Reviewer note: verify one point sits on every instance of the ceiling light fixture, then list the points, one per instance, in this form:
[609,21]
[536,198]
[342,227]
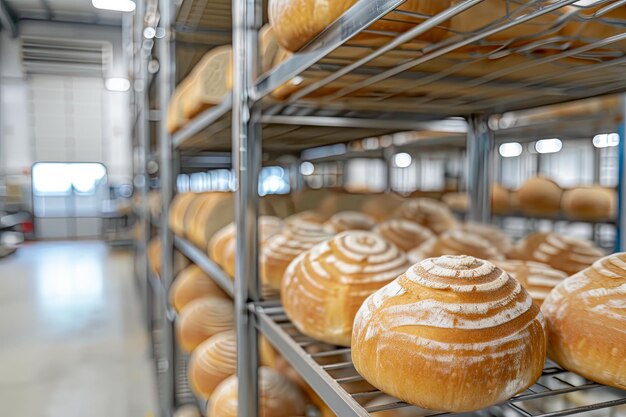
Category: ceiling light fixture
[605,140]
[510,150]
[117,84]
[549,145]
[115,5]
[402,160]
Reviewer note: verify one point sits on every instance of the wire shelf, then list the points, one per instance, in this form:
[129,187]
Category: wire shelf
[484,70]
[331,374]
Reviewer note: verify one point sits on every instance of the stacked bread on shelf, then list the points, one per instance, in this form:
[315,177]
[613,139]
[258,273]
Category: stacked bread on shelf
[418,295]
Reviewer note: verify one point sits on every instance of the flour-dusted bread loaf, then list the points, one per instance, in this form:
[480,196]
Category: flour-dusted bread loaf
[178,209]
[324,287]
[453,333]
[213,361]
[201,319]
[211,79]
[278,397]
[456,242]
[307,215]
[349,220]
[586,316]
[540,196]
[565,253]
[590,203]
[537,278]
[491,233]
[296,23]
[193,283]
[428,212]
[405,234]
[279,250]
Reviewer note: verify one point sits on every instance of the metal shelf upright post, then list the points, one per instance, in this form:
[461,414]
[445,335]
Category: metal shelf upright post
[246,152]
[479,145]
[165,82]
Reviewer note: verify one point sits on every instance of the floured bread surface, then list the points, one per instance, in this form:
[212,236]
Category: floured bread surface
[456,242]
[193,283]
[213,361]
[430,213]
[349,220]
[429,336]
[537,278]
[278,397]
[405,234]
[323,288]
[565,253]
[201,319]
[586,316]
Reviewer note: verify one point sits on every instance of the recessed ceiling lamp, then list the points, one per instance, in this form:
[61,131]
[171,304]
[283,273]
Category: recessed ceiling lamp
[115,5]
[117,84]
[510,150]
[548,145]
[605,140]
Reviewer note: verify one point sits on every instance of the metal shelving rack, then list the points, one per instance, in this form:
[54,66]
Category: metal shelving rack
[250,121]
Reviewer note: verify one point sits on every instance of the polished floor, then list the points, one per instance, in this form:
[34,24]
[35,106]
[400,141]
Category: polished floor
[72,337]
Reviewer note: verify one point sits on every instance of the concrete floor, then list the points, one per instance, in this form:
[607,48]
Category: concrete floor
[72,338]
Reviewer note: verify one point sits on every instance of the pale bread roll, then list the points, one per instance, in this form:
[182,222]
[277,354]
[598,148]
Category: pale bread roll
[536,278]
[565,253]
[491,233]
[175,116]
[201,319]
[307,215]
[500,200]
[586,316]
[456,242]
[278,251]
[178,208]
[193,283]
[349,220]
[405,234]
[323,287]
[278,397]
[223,245]
[211,79]
[428,212]
[443,323]
[590,203]
[381,206]
[540,196]
[456,201]
[296,23]
[213,361]
[215,213]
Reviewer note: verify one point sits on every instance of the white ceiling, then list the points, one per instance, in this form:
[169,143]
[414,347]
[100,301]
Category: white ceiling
[64,10]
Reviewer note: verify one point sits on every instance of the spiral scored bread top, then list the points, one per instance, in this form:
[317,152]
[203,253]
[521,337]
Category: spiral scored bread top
[193,283]
[456,242]
[307,215]
[565,253]
[428,212]
[586,317]
[282,248]
[203,318]
[445,322]
[278,396]
[405,234]
[324,287]
[493,234]
[212,361]
[349,220]
[537,278]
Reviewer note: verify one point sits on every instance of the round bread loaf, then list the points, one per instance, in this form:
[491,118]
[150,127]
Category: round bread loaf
[590,203]
[178,209]
[429,213]
[349,220]
[500,200]
[380,206]
[278,397]
[213,361]
[295,23]
[153,253]
[565,253]
[405,234]
[201,319]
[279,250]
[540,196]
[430,335]
[537,278]
[456,201]
[491,233]
[307,216]
[188,410]
[324,287]
[456,242]
[586,316]
[216,212]
[193,283]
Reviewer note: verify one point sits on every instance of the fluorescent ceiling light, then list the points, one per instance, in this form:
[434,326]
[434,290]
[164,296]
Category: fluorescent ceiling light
[605,140]
[117,84]
[402,160]
[115,5]
[149,32]
[548,145]
[510,150]
[307,168]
